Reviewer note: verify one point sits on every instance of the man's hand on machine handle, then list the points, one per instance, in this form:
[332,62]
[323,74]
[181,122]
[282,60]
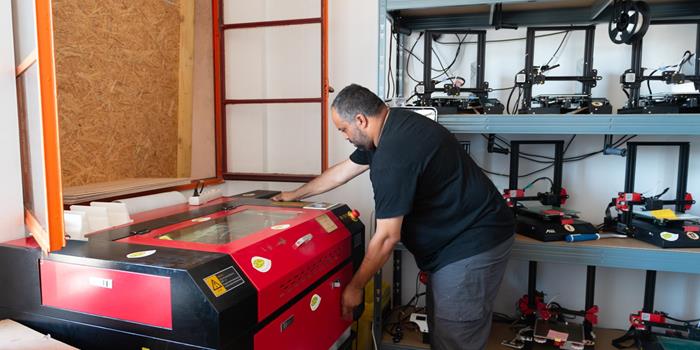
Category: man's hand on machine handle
[285,197]
[351,299]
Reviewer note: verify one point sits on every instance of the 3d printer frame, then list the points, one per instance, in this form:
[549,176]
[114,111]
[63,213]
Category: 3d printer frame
[556,178]
[531,76]
[481,88]
[625,224]
[558,196]
[633,78]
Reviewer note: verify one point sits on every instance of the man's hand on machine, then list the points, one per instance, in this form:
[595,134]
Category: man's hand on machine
[285,197]
[352,297]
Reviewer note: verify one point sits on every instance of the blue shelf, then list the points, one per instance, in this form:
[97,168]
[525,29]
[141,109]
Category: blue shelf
[421,4]
[612,252]
[617,124]
[626,253]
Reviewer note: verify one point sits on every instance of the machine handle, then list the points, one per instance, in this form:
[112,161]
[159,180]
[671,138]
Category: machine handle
[303,240]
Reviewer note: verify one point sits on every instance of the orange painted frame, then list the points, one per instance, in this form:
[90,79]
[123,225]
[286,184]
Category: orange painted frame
[219,130]
[49,121]
[325,88]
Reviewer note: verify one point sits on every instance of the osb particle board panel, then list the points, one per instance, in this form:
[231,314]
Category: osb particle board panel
[203,132]
[117,81]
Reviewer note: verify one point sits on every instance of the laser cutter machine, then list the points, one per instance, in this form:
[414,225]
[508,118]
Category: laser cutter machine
[243,273]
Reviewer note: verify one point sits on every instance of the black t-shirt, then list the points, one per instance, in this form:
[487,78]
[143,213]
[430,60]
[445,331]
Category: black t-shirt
[451,209]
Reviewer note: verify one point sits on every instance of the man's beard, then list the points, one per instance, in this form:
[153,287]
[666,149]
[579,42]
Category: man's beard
[362,142]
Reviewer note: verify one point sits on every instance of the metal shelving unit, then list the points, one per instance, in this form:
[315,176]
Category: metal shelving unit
[451,14]
[615,253]
[626,253]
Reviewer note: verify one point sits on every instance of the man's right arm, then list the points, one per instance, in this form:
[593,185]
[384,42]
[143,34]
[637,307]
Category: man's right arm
[328,180]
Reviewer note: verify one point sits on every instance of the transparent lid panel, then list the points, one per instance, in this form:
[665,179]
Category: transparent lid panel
[229,228]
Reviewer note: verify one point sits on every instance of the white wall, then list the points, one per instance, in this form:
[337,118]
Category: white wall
[11,207]
[352,59]
[273,62]
[592,183]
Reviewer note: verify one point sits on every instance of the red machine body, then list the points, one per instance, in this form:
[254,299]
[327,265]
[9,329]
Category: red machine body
[318,317]
[297,262]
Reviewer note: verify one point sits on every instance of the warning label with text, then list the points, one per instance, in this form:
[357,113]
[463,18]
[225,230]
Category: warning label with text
[223,281]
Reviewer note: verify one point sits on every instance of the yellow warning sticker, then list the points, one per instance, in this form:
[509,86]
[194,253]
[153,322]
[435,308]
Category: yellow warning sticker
[223,281]
[326,222]
[215,285]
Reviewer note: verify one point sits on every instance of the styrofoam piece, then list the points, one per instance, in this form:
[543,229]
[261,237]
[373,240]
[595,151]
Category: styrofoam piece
[97,217]
[75,224]
[155,201]
[117,212]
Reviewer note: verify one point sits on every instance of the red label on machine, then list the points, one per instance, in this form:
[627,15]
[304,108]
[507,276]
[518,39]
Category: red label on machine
[132,297]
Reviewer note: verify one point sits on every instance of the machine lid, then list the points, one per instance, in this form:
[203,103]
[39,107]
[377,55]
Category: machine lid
[226,229]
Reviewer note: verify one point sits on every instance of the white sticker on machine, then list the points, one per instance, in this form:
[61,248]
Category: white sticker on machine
[261,264]
[315,302]
[141,254]
[100,282]
[669,236]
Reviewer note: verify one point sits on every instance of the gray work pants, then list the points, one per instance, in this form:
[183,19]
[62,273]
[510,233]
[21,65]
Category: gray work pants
[460,299]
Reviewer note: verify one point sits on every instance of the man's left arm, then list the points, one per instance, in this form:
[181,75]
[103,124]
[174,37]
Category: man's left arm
[379,249]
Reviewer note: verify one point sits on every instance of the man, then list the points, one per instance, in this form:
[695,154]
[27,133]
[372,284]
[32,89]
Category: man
[429,194]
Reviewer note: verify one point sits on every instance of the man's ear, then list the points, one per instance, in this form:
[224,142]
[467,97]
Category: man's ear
[361,120]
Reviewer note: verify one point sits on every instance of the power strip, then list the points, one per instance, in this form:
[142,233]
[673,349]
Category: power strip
[205,196]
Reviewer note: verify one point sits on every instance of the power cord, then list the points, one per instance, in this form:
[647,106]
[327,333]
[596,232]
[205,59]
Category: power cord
[550,160]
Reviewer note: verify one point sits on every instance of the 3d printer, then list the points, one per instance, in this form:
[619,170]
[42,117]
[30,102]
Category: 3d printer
[549,222]
[644,218]
[678,334]
[675,103]
[531,75]
[242,273]
[476,101]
